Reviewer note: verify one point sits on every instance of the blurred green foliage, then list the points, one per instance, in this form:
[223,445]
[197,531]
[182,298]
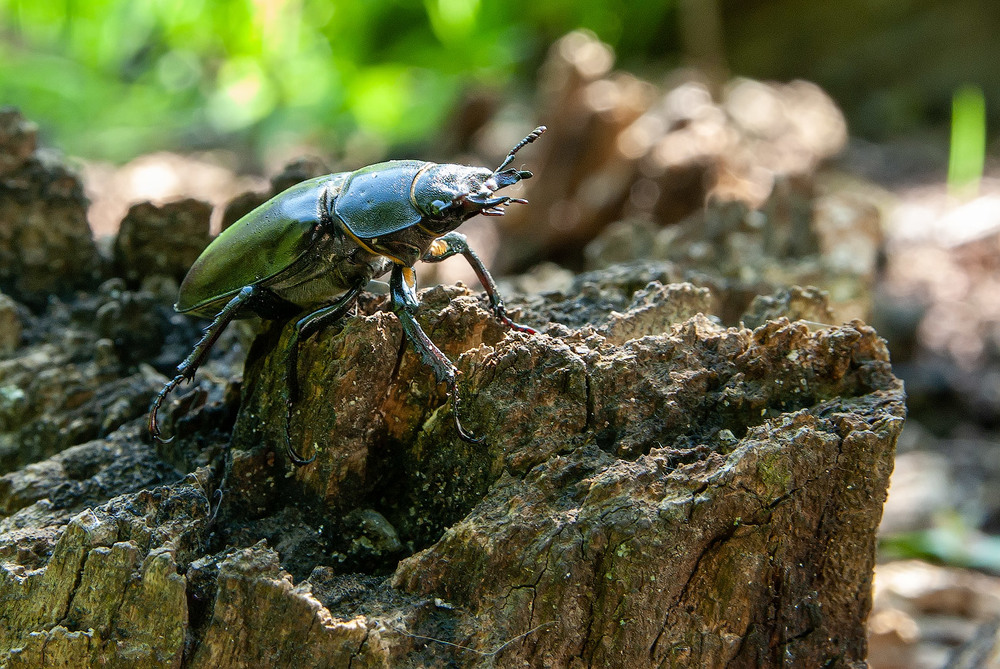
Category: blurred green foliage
[968,142]
[951,541]
[113,78]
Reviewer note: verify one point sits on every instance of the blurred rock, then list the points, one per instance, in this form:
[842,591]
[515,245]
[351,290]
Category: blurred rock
[787,129]
[46,246]
[724,189]
[831,242]
[619,148]
[164,240]
[542,278]
[18,140]
[215,177]
[297,171]
[621,242]
[473,111]
[10,326]
[940,310]
[946,485]
[923,614]
[587,179]
[241,205]
[922,489]
[849,233]
[131,320]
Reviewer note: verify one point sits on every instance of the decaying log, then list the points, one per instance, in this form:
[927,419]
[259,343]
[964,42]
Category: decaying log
[653,489]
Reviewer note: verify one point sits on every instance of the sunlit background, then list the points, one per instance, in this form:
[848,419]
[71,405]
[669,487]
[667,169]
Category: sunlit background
[111,79]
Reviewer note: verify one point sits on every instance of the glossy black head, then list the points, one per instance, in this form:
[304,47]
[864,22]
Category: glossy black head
[450,194]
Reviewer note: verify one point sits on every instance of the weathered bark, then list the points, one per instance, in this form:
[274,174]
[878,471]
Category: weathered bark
[653,490]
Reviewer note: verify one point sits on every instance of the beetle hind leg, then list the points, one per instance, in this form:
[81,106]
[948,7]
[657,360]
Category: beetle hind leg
[187,369]
[404,302]
[455,243]
[304,327]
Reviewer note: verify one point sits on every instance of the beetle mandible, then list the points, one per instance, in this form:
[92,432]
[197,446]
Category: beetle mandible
[313,248]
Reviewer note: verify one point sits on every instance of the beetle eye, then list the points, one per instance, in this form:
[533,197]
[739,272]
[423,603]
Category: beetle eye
[438,206]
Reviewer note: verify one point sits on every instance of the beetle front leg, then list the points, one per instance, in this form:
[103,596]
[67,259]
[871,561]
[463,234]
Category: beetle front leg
[304,327]
[187,369]
[455,243]
[404,303]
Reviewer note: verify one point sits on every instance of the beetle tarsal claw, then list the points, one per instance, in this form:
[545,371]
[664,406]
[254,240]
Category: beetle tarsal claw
[297,459]
[293,455]
[518,327]
[154,408]
[456,404]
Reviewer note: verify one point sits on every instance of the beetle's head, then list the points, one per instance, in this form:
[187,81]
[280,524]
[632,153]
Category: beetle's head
[450,194]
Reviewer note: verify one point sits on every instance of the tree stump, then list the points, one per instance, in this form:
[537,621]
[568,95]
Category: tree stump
[653,489]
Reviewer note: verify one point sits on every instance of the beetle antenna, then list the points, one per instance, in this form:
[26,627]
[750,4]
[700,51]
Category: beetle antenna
[532,136]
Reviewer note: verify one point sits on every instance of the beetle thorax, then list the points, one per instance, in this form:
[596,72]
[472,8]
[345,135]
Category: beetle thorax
[333,263]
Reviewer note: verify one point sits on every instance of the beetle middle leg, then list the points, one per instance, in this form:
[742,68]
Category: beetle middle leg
[187,369]
[304,327]
[455,243]
[404,303]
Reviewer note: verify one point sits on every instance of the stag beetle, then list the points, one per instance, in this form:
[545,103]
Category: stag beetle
[313,248]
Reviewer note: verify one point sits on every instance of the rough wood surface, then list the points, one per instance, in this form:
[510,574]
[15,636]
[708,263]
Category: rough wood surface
[653,489]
